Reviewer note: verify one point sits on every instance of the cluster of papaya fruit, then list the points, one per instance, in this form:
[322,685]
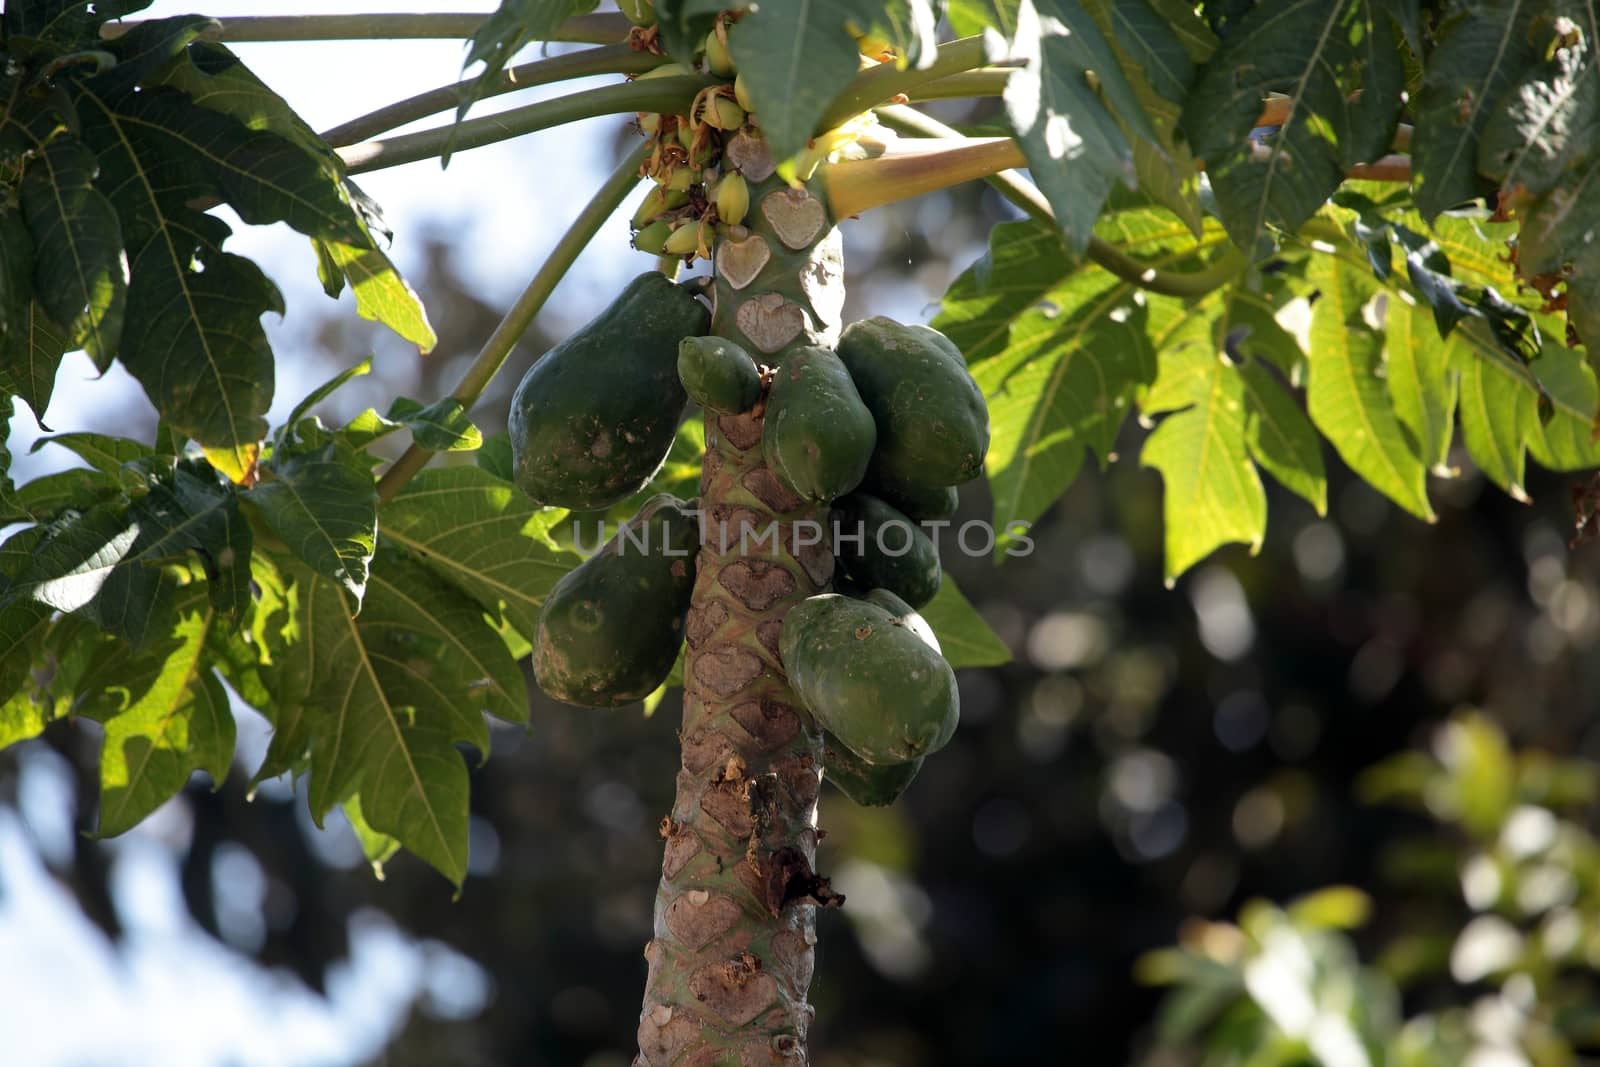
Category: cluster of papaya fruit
[700,189]
[881,429]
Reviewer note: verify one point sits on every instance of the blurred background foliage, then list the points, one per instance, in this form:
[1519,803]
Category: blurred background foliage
[1245,822]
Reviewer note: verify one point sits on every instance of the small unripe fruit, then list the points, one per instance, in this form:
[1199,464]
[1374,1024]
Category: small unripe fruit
[639,12]
[741,93]
[681,179]
[718,58]
[733,199]
[655,202]
[724,114]
[653,238]
[685,133]
[683,240]
[667,70]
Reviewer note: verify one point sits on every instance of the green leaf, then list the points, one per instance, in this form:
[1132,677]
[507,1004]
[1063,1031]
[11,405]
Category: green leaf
[324,505]
[53,655]
[1548,122]
[1319,54]
[1559,240]
[1421,385]
[496,458]
[47,497]
[1281,439]
[1482,52]
[794,57]
[1160,71]
[1496,420]
[318,395]
[382,295]
[970,17]
[166,715]
[79,274]
[964,637]
[441,426]
[683,24]
[102,452]
[503,34]
[391,694]
[1567,392]
[479,533]
[1213,494]
[1058,351]
[39,345]
[378,848]
[1348,400]
[1072,139]
[147,47]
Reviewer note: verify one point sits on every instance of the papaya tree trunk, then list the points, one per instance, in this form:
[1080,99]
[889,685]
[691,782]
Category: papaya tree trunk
[735,914]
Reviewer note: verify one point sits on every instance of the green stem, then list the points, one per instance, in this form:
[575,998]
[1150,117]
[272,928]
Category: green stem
[670,95]
[591,29]
[498,347]
[989,81]
[1025,195]
[609,59]
[882,83]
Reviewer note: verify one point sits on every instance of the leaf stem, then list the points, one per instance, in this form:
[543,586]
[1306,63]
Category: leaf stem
[592,29]
[608,59]
[1025,195]
[882,83]
[653,94]
[495,351]
[968,84]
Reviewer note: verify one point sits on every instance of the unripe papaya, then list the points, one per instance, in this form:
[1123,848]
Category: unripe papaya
[869,785]
[904,615]
[718,374]
[653,238]
[933,425]
[917,501]
[609,631]
[882,549]
[869,678]
[819,436]
[592,421]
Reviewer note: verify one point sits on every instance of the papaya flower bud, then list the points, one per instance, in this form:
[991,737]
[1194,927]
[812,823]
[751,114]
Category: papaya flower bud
[733,198]
[653,238]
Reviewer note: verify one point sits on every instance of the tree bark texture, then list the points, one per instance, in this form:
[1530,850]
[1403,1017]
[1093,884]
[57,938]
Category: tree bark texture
[735,916]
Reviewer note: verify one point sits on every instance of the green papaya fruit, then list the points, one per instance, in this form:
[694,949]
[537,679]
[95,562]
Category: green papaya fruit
[592,421]
[921,502]
[609,631]
[869,678]
[933,425]
[882,549]
[819,436]
[719,375]
[867,784]
[904,615]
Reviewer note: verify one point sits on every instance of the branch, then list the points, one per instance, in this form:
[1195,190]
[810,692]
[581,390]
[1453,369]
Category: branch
[1023,193]
[882,83]
[498,347]
[609,59]
[590,29]
[670,95]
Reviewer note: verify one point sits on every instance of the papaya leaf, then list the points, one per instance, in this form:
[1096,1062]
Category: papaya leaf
[1549,119]
[382,295]
[324,505]
[284,437]
[389,695]
[514,24]
[1482,51]
[1280,438]
[24,372]
[215,78]
[496,457]
[794,58]
[1213,494]
[970,17]
[1059,352]
[479,533]
[441,426]
[1422,383]
[378,848]
[166,716]
[35,359]
[1068,122]
[46,497]
[102,452]
[964,637]
[1557,241]
[1320,54]
[42,661]
[1496,419]
[79,273]
[683,24]
[146,48]
[1348,401]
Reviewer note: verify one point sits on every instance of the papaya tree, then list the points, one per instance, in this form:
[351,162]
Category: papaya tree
[1261,229]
